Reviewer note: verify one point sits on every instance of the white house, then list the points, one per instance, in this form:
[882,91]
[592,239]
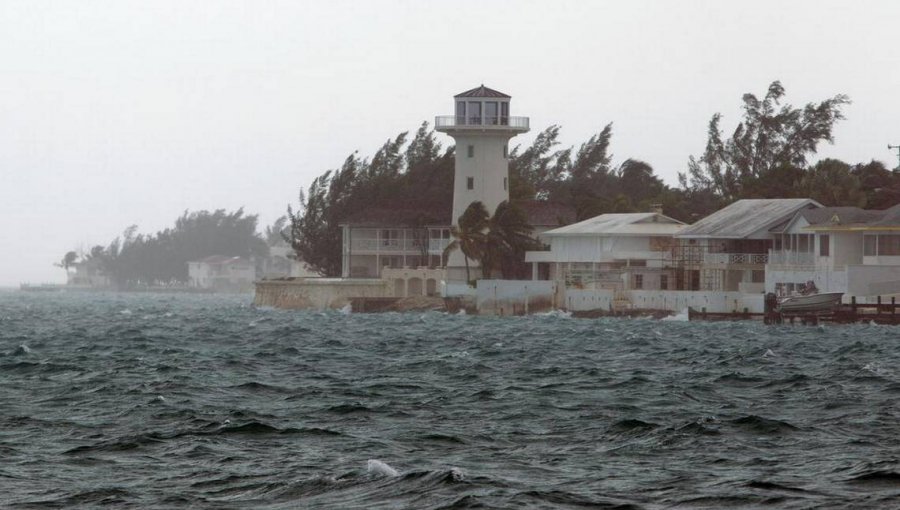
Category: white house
[222,273]
[630,251]
[838,249]
[281,263]
[728,250]
[87,273]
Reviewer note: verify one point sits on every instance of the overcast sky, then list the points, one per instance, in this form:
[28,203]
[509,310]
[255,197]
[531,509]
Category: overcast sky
[115,113]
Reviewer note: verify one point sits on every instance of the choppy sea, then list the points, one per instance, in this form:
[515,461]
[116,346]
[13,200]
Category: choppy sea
[199,401]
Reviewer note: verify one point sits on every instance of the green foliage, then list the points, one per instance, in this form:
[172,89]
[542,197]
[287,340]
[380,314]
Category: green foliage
[470,235]
[413,183]
[771,135]
[135,260]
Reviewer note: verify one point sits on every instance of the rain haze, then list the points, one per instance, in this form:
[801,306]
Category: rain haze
[119,113]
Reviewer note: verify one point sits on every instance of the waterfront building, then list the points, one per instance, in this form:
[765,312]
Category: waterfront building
[729,249]
[626,251]
[837,249]
[222,273]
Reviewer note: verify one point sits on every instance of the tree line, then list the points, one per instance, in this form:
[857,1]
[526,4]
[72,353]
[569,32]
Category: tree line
[137,260]
[767,155]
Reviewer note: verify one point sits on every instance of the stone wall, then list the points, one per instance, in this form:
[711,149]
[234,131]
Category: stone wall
[317,293]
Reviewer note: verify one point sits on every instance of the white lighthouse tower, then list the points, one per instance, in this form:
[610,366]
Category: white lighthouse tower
[482,128]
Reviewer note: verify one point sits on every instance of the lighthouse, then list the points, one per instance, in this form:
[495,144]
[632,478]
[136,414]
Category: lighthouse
[481,127]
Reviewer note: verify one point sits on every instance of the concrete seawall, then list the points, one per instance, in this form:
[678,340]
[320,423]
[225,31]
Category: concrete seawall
[317,293]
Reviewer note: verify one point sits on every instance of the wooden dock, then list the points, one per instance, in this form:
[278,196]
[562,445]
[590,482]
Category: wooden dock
[878,313]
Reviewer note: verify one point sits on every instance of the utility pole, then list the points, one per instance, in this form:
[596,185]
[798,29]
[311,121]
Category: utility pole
[892,147]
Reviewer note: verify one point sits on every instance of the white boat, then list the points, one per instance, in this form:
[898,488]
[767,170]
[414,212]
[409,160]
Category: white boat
[810,303]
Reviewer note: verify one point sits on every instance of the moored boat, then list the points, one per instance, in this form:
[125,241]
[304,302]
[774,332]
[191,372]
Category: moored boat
[810,303]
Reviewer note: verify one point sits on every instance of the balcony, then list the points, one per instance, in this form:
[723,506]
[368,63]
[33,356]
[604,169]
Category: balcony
[437,246]
[732,259]
[445,123]
[413,246]
[791,258]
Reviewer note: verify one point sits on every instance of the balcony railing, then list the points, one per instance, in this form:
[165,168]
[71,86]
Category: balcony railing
[736,258]
[385,245]
[454,121]
[437,246]
[791,258]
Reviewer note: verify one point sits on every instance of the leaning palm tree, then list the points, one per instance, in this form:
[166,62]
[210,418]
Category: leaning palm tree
[508,238]
[469,235]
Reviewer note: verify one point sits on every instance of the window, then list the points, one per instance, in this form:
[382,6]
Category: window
[889,245]
[504,113]
[869,245]
[663,282]
[470,183]
[638,281]
[474,111]
[461,112]
[824,242]
[471,151]
[778,242]
[505,183]
[490,113]
[505,151]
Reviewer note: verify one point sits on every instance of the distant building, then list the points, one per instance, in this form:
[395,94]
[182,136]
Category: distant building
[87,273]
[375,240]
[281,264]
[729,249]
[222,273]
[837,249]
[612,251]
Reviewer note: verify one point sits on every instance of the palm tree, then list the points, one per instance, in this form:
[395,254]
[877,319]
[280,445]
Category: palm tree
[507,240]
[469,235]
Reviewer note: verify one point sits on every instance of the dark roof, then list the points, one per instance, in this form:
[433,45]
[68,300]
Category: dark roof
[746,217]
[222,259]
[842,215]
[889,217]
[481,91]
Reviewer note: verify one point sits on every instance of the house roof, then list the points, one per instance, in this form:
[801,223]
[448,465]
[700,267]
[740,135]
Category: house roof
[221,259]
[622,224]
[888,218]
[853,218]
[482,91]
[746,217]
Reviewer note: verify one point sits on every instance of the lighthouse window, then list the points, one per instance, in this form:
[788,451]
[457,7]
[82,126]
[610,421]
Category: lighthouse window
[474,112]
[505,151]
[471,151]
[505,183]
[490,113]
[470,183]
[461,112]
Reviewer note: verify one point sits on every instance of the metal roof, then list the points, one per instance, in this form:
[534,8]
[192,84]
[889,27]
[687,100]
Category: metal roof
[621,224]
[745,217]
[482,91]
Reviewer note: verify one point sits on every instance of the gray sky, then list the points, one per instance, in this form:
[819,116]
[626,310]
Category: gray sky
[115,113]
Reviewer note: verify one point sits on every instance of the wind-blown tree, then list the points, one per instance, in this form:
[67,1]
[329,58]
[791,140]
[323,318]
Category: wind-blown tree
[508,238]
[770,135]
[412,182]
[470,235]
[68,260]
[161,259]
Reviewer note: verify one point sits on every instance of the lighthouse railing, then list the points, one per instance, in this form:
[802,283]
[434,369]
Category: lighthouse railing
[449,121]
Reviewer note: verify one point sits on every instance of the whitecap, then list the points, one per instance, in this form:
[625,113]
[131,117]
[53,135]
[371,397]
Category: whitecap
[681,316]
[125,312]
[378,467]
[768,354]
[347,309]
[462,311]
[559,314]
[22,349]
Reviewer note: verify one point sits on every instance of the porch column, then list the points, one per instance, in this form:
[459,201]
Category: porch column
[534,271]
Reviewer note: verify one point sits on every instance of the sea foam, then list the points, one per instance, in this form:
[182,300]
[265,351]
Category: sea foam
[378,467]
